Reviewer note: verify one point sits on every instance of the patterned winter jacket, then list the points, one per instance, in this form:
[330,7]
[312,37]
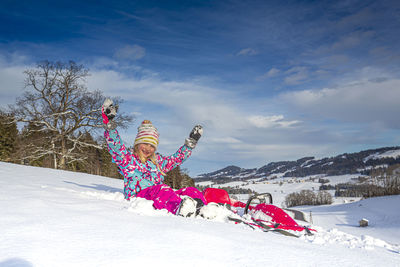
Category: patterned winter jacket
[138,175]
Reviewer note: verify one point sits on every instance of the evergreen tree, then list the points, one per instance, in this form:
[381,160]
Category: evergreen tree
[8,136]
[178,178]
[108,168]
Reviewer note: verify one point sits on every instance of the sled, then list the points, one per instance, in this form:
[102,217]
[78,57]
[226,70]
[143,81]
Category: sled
[257,199]
[261,210]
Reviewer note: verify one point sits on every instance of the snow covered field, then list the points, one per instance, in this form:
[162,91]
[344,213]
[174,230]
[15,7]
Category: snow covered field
[59,218]
[282,186]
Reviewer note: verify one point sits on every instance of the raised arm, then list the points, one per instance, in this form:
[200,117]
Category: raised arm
[170,162]
[116,148]
[115,145]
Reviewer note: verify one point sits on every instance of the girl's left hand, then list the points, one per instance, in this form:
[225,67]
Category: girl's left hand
[194,136]
[196,132]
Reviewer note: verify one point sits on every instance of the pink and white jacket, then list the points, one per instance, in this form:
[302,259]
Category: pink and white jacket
[138,175]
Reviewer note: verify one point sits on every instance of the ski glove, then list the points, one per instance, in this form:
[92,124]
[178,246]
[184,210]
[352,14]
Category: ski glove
[108,112]
[194,136]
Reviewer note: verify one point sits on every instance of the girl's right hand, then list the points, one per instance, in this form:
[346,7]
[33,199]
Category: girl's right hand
[108,111]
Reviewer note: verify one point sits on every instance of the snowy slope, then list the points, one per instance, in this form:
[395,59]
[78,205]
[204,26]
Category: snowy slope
[58,218]
[387,154]
[383,214]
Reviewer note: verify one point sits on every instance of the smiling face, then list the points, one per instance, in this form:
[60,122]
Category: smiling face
[147,150]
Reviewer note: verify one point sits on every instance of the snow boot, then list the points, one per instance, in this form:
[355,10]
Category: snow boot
[199,205]
[187,207]
[210,211]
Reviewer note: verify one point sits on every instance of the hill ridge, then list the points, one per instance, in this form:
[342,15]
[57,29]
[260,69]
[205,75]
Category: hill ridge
[346,163]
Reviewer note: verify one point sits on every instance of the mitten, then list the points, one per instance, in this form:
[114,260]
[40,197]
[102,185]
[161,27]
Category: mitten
[194,136]
[108,112]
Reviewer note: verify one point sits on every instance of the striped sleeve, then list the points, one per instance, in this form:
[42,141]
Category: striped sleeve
[170,162]
[120,155]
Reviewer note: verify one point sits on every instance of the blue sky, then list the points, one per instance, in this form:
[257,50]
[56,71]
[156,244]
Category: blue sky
[269,80]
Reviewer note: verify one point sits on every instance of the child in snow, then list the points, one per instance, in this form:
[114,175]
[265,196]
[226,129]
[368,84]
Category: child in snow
[144,171]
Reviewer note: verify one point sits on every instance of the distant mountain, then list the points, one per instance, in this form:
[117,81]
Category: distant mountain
[348,163]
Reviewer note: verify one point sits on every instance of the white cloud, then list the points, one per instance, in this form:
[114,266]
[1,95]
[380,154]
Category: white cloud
[12,79]
[269,74]
[177,105]
[369,99]
[247,52]
[272,72]
[226,140]
[130,52]
[271,121]
[296,75]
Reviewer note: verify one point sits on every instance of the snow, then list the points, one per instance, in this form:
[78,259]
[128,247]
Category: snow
[382,213]
[341,179]
[59,218]
[383,166]
[305,164]
[388,154]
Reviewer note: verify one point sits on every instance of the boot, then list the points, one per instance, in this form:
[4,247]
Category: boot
[187,208]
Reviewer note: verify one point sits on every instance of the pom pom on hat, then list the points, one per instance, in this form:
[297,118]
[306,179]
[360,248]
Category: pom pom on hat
[147,134]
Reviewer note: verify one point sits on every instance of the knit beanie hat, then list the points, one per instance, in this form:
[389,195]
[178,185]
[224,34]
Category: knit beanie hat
[147,134]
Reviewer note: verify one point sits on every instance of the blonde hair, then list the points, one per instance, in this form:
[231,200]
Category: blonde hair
[143,159]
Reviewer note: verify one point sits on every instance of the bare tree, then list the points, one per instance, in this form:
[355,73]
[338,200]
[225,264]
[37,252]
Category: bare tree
[386,181]
[308,197]
[61,110]
[323,198]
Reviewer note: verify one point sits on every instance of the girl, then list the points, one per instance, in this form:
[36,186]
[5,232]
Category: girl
[144,171]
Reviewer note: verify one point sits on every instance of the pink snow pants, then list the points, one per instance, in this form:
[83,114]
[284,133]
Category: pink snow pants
[165,197]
